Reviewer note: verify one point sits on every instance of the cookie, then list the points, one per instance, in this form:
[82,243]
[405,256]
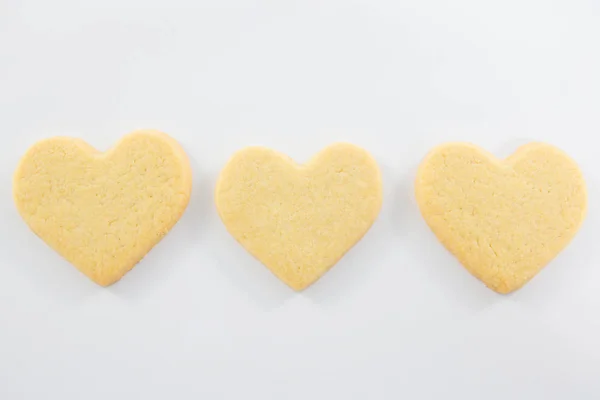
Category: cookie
[299,220]
[103,211]
[503,219]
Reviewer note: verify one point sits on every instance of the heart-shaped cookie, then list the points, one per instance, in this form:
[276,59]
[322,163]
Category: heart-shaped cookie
[503,219]
[299,220]
[103,211]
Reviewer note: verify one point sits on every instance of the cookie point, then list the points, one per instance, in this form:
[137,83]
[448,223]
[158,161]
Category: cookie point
[104,282]
[297,287]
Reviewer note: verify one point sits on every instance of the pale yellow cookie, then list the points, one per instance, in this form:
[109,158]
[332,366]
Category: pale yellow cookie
[503,219]
[103,211]
[299,220]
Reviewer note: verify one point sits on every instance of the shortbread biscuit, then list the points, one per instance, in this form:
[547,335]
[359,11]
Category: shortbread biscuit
[503,219]
[299,220]
[103,211]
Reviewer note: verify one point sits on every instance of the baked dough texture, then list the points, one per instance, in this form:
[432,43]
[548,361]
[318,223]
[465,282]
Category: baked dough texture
[299,220]
[503,219]
[103,211]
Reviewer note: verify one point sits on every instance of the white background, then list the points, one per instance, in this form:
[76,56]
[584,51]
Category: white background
[398,317]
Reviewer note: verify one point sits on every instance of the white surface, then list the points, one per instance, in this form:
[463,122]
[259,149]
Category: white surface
[398,317]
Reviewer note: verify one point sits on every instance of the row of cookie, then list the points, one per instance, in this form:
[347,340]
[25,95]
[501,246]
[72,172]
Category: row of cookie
[503,219]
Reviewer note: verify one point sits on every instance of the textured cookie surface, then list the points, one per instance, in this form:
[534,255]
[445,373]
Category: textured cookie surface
[103,211]
[299,220]
[503,219]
